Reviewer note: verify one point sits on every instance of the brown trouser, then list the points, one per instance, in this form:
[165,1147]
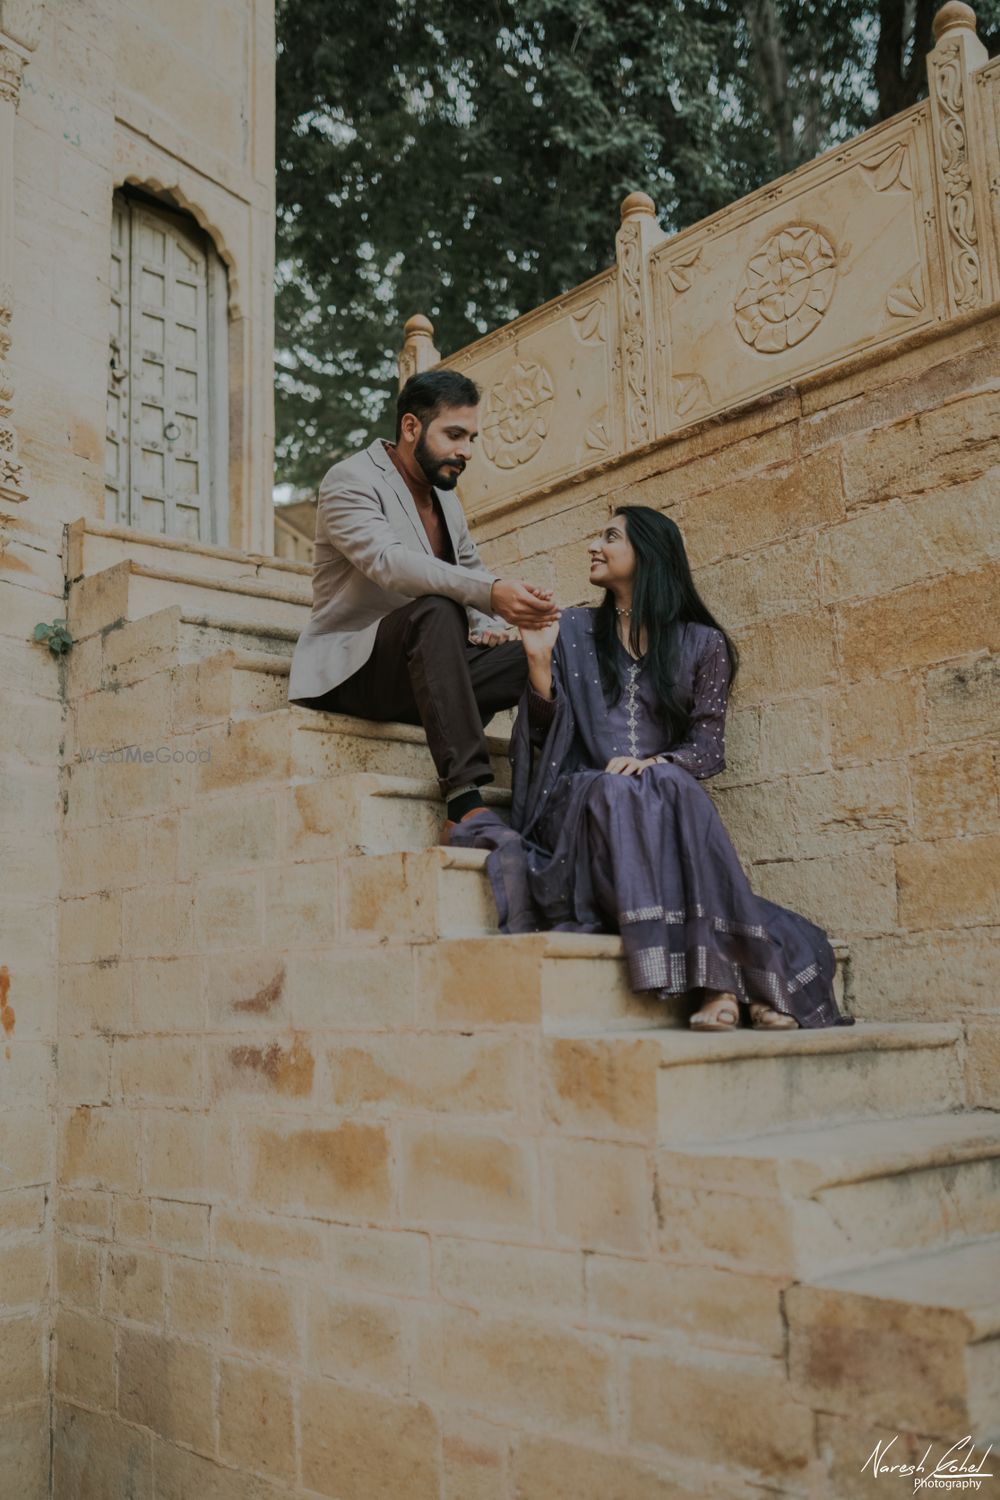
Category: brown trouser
[423,670]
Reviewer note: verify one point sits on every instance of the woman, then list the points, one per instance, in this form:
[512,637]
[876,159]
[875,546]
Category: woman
[623,716]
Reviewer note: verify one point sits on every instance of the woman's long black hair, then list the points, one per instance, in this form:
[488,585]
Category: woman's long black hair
[663,599]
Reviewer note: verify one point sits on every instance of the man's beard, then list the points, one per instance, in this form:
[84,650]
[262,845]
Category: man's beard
[437,471]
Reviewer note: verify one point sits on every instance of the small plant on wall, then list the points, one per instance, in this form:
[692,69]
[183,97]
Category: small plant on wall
[55,636]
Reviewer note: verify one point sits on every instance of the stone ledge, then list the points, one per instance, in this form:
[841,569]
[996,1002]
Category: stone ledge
[962,1278]
[865,1036]
[807,1160]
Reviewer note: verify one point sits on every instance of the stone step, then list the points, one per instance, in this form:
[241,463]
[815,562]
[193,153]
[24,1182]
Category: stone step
[204,635]
[672,1086]
[259,682]
[130,590]
[417,897]
[585,979]
[813,1201]
[753,1083]
[469,973]
[368,813]
[234,702]
[861,1342]
[291,745]
[127,651]
[574,985]
[137,679]
[227,687]
[92,546]
[571,984]
[719,1407]
[534,979]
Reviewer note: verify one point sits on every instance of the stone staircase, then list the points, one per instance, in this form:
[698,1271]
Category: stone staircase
[663,1264]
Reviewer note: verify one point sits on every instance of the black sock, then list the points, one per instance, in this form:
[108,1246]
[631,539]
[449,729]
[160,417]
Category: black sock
[465,802]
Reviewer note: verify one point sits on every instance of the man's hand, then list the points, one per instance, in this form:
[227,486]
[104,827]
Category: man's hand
[627,765]
[492,637]
[522,603]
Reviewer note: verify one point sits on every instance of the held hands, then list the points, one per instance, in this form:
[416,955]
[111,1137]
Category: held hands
[539,641]
[523,604]
[627,765]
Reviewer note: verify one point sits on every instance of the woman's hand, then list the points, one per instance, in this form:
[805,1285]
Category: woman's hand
[539,641]
[627,765]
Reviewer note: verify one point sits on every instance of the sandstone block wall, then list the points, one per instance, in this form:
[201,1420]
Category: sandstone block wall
[32,722]
[334,1217]
[847,533]
[92,94]
[357,1198]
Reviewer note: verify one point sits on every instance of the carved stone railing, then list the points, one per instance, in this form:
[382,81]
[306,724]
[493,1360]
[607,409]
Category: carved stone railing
[20,21]
[892,232]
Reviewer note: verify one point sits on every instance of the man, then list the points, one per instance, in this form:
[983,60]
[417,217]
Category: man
[404,619]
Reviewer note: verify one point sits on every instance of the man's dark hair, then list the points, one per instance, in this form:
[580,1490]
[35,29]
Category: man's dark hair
[424,395]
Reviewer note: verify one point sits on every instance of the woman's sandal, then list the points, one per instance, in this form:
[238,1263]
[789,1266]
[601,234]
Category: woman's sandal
[766,1018]
[729,1007]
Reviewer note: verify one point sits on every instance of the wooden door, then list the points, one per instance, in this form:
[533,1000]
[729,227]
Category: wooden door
[160,445]
[116,448]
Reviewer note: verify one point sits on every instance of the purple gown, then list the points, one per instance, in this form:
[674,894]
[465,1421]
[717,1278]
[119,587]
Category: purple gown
[646,856]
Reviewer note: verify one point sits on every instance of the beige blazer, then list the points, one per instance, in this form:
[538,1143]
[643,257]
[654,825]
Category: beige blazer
[372,556]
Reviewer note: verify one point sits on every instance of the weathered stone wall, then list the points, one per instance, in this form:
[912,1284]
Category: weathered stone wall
[846,531]
[359,1198]
[176,98]
[31,727]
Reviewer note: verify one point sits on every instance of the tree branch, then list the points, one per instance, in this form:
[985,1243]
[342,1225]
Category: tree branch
[765,34]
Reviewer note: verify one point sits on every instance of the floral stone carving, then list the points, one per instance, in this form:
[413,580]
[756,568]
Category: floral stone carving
[515,415]
[589,323]
[960,211]
[889,168]
[690,393]
[786,289]
[11,71]
[633,334]
[906,299]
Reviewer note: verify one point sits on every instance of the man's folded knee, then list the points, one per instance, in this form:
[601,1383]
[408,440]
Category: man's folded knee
[436,608]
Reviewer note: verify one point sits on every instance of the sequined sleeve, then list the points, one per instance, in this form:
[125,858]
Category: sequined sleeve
[703,753]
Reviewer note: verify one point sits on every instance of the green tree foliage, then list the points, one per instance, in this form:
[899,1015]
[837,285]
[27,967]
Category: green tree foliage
[467,160]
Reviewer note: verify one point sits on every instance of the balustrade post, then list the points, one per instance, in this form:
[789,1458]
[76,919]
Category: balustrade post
[418,352]
[638,235]
[960,172]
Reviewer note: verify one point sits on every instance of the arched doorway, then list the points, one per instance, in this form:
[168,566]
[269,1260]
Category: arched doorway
[167,430]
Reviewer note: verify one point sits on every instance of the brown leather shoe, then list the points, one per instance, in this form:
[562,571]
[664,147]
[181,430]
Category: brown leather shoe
[450,825]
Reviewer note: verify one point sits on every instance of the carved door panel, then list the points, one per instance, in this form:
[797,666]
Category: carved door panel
[116,454]
[159,438]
